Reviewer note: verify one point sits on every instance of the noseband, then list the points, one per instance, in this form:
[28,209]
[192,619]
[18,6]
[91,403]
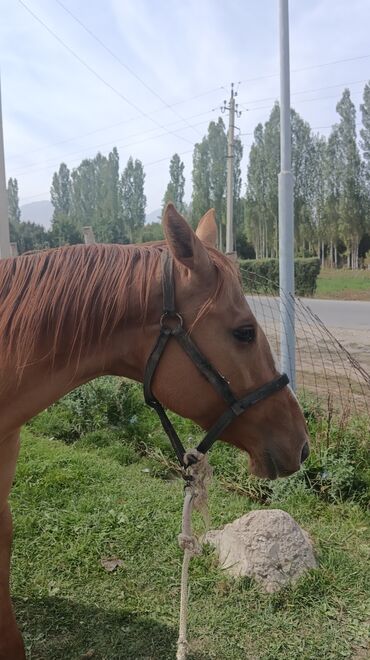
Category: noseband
[171,325]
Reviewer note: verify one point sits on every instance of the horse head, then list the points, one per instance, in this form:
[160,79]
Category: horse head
[217,317]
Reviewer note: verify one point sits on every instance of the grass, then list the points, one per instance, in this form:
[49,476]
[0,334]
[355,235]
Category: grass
[343,284]
[76,504]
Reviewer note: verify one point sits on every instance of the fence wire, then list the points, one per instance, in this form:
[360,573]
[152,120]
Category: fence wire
[332,365]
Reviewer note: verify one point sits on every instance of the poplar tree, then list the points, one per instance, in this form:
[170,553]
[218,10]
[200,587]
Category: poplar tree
[176,187]
[133,199]
[14,213]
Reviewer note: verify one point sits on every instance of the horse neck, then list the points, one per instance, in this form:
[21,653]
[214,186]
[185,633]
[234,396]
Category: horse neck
[70,346]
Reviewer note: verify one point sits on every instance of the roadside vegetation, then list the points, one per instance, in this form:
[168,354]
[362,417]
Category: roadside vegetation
[343,284]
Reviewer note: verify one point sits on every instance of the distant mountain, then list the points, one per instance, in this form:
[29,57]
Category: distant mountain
[153,216]
[38,212]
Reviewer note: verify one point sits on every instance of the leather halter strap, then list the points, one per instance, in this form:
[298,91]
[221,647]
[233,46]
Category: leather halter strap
[171,325]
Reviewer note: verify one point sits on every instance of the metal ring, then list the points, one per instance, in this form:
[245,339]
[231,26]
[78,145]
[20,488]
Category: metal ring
[174,315]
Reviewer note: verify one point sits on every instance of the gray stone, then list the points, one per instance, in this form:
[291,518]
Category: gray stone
[267,545]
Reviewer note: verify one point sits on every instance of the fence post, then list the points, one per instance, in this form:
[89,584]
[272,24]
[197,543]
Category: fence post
[14,250]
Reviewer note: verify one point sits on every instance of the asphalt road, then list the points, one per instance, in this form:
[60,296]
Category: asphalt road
[347,314]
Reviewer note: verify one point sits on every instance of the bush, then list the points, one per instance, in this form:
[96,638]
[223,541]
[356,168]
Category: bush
[259,274]
[105,411]
[103,404]
[109,415]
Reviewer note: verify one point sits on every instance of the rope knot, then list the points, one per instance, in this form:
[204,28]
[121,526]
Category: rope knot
[189,543]
[198,474]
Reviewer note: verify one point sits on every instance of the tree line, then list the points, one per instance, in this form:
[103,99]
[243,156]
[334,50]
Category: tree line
[331,186]
[331,191]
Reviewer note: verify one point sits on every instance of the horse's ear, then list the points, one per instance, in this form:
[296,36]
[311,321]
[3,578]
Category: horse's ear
[182,241]
[207,228]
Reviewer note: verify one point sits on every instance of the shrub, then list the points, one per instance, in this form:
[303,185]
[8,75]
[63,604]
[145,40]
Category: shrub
[259,274]
[110,416]
[106,410]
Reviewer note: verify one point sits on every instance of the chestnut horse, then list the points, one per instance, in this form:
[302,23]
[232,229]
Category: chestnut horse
[72,314]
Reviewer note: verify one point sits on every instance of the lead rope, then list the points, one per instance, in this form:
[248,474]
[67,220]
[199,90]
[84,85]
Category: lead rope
[198,473]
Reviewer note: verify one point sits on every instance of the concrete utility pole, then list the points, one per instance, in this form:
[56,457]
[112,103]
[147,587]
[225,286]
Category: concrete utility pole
[286,208]
[4,221]
[89,237]
[233,109]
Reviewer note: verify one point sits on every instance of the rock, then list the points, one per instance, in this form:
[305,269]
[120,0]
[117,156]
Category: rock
[267,545]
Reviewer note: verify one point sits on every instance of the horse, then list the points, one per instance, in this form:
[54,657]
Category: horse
[71,314]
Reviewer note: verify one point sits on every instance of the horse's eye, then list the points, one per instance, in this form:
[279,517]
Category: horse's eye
[245,333]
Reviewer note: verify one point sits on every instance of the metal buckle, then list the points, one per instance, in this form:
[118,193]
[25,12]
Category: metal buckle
[171,315]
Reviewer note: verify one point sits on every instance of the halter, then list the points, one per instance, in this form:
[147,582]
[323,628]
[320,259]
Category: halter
[176,330]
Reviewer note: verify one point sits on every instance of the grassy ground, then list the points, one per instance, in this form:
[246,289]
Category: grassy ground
[76,504]
[343,284]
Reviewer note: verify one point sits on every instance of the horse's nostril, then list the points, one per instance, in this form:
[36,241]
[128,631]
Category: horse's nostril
[305,452]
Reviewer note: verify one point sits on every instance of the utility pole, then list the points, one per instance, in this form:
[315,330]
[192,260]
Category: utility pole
[4,221]
[286,208]
[233,110]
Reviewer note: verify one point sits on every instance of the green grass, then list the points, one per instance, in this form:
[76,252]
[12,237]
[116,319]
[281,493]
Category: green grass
[343,284]
[76,504]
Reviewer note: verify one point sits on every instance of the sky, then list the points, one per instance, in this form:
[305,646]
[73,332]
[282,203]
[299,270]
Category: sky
[148,76]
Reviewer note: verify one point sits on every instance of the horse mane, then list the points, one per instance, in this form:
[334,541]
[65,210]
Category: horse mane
[78,295]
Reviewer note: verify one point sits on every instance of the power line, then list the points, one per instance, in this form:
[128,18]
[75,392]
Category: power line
[161,160]
[308,68]
[32,168]
[104,128]
[320,98]
[120,62]
[323,64]
[95,73]
[52,162]
[243,104]
[148,115]
[308,91]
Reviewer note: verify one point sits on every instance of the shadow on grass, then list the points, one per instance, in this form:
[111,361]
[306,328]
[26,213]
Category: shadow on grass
[59,629]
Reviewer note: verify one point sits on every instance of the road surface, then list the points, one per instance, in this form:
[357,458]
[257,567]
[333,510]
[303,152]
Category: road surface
[346,314]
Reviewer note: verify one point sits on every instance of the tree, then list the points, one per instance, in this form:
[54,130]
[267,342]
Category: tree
[365,130]
[29,236]
[365,146]
[351,198]
[176,187]
[238,206]
[305,153]
[201,181]
[329,187]
[112,215]
[14,213]
[64,228]
[60,191]
[107,219]
[262,186]
[84,198]
[153,231]
[64,231]
[133,199]
[217,145]
[209,176]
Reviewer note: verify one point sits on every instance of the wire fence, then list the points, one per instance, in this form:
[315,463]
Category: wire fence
[332,365]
